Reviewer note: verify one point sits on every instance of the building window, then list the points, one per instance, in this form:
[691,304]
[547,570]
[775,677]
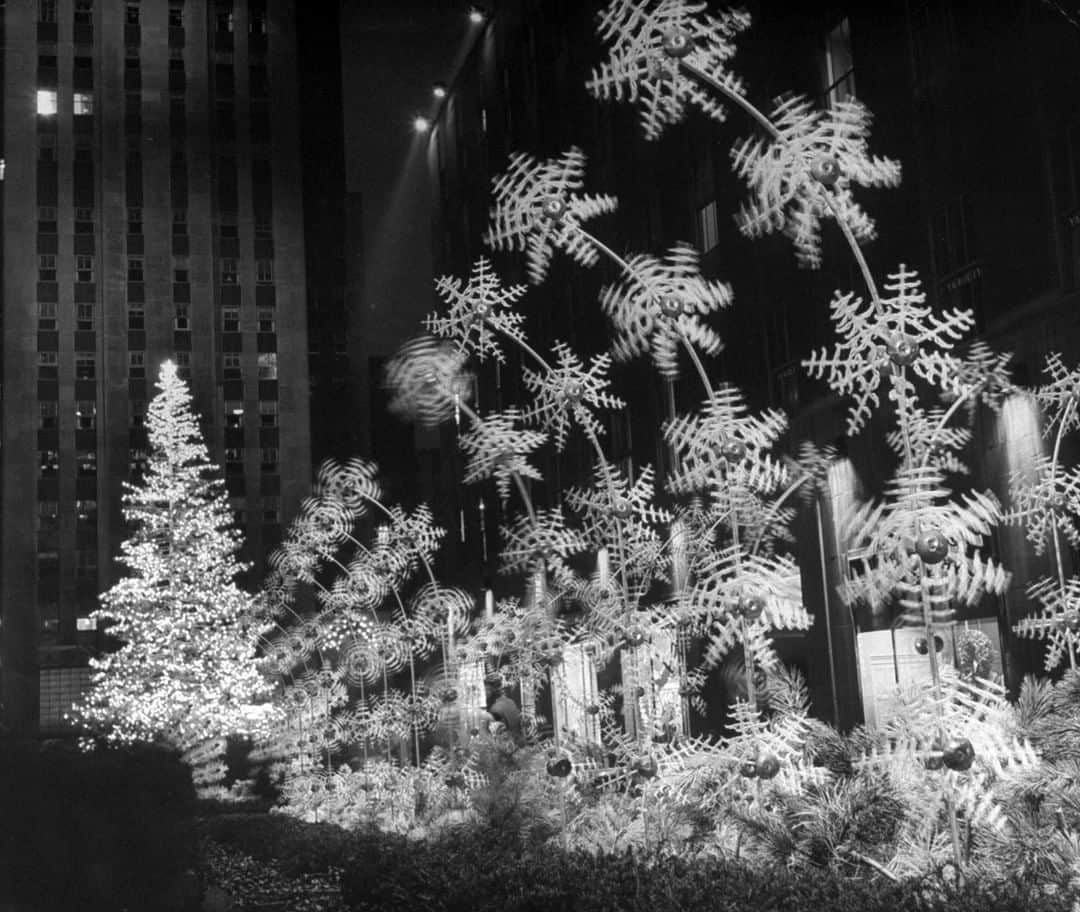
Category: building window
[138,460]
[47,11]
[228,230]
[84,12]
[176,17]
[257,22]
[134,220]
[234,413]
[84,103]
[137,365]
[46,102]
[132,14]
[137,418]
[46,315]
[264,228]
[268,366]
[179,221]
[48,414]
[268,413]
[136,316]
[84,221]
[180,275]
[231,366]
[47,267]
[86,513]
[268,459]
[85,415]
[49,463]
[46,220]
[86,565]
[47,147]
[230,319]
[84,268]
[266,319]
[86,462]
[183,365]
[271,509]
[48,516]
[234,461]
[183,317]
[264,271]
[708,227]
[84,317]
[135,269]
[224,20]
[228,271]
[839,65]
[85,365]
[48,366]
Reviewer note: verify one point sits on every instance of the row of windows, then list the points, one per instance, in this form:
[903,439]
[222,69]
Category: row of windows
[49,463]
[86,461]
[85,414]
[84,317]
[84,270]
[48,514]
[86,365]
[83,14]
[234,460]
[86,565]
[82,103]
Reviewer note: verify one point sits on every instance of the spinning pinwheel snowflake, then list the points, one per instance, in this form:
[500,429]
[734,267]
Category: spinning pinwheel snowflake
[1045,495]
[897,331]
[648,39]
[805,171]
[352,484]
[547,539]
[497,449]
[569,391]
[930,441]
[425,379]
[538,209]
[1059,622]
[658,305]
[1059,398]
[478,312]
[982,375]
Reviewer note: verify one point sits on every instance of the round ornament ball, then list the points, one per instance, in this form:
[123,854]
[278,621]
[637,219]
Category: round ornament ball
[768,766]
[575,392]
[678,43]
[671,307]
[1071,621]
[959,755]
[922,645]
[559,767]
[903,350]
[825,169]
[733,450]
[636,635]
[748,769]
[646,767]
[932,547]
[934,760]
[554,209]
[622,508]
[448,695]
[593,709]
[752,608]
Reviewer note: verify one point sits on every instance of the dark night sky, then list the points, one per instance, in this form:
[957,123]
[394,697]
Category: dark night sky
[392,52]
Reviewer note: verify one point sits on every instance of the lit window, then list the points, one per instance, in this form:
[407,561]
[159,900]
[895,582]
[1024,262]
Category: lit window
[84,317]
[264,271]
[46,102]
[183,317]
[137,365]
[84,268]
[136,316]
[839,65]
[85,365]
[183,365]
[86,462]
[85,415]
[86,512]
[230,364]
[228,271]
[234,413]
[224,19]
[48,414]
[268,459]
[268,366]
[84,12]
[230,319]
[48,365]
[46,315]
[266,319]
[47,267]
[135,269]
[268,413]
[84,103]
[49,463]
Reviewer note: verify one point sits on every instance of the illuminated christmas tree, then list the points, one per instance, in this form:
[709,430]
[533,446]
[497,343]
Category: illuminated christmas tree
[185,670]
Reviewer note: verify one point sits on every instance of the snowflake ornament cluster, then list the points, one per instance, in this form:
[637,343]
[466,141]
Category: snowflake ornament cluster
[648,39]
[539,209]
[896,332]
[660,305]
[805,172]
[569,392]
[479,310]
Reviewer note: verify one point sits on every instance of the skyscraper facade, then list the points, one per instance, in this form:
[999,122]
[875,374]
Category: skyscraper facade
[151,209]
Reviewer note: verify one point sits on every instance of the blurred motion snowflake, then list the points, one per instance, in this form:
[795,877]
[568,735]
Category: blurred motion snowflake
[425,379]
[497,449]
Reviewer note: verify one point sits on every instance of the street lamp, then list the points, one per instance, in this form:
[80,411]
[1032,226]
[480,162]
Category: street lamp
[421,124]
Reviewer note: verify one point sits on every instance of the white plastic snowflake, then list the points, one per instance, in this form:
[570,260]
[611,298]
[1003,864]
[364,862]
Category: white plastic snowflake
[805,172]
[569,391]
[982,375]
[352,483]
[478,311]
[425,379]
[548,539]
[1045,495]
[497,449]
[1060,398]
[930,441]
[648,39]
[659,305]
[539,209]
[1059,622]
[899,330]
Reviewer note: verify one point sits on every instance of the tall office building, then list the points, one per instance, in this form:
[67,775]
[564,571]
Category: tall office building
[151,210]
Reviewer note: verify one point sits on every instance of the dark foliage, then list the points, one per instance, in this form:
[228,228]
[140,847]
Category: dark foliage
[103,830]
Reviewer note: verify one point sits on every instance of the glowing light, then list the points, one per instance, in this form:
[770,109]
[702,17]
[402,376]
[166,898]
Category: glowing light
[439,90]
[421,124]
[476,15]
[46,102]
